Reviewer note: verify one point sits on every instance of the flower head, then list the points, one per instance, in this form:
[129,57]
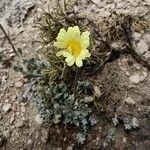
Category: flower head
[74,45]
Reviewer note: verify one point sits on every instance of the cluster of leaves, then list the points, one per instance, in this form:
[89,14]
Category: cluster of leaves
[31,68]
[55,100]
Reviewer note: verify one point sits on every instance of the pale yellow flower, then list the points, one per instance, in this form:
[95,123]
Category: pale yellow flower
[74,45]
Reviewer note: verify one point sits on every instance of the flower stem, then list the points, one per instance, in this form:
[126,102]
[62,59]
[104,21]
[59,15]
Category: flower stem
[71,105]
[75,86]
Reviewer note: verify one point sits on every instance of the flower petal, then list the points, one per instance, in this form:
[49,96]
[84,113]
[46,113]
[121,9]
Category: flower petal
[61,39]
[79,62]
[84,54]
[60,53]
[63,53]
[66,54]
[59,45]
[76,31]
[85,40]
[85,36]
[62,36]
[70,63]
[73,32]
[68,59]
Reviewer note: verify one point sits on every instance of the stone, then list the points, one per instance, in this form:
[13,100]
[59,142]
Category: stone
[135,78]
[6,100]
[135,122]
[28,145]
[124,140]
[12,55]
[45,135]
[4,78]
[130,101]
[115,45]
[146,37]
[17,113]
[12,119]
[13,97]
[6,133]
[97,91]
[136,36]
[144,74]
[23,109]
[20,124]
[127,73]
[39,119]
[102,4]
[6,107]
[88,99]
[117,1]
[142,47]
[57,118]
[105,14]
[70,148]
[142,78]
[18,84]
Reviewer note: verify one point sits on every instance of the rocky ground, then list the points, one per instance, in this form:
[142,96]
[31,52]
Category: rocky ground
[125,125]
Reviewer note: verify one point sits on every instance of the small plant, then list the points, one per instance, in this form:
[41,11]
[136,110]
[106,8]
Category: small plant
[55,101]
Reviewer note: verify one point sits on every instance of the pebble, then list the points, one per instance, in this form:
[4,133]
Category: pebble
[130,101]
[6,107]
[135,78]
[12,55]
[146,37]
[103,4]
[18,84]
[97,91]
[142,47]
[6,100]
[127,73]
[13,97]
[28,145]
[45,135]
[39,119]
[142,78]
[23,109]
[70,148]
[136,36]
[57,118]
[19,124]
[88,99]
[135,122]
[12,119]
[124,140]
[17,113]
[105,14]
[6,133]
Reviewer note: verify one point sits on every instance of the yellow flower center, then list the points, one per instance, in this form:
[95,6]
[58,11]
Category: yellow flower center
[75,47]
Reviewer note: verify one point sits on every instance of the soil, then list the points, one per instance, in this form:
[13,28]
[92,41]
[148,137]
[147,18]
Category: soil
[123,110]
